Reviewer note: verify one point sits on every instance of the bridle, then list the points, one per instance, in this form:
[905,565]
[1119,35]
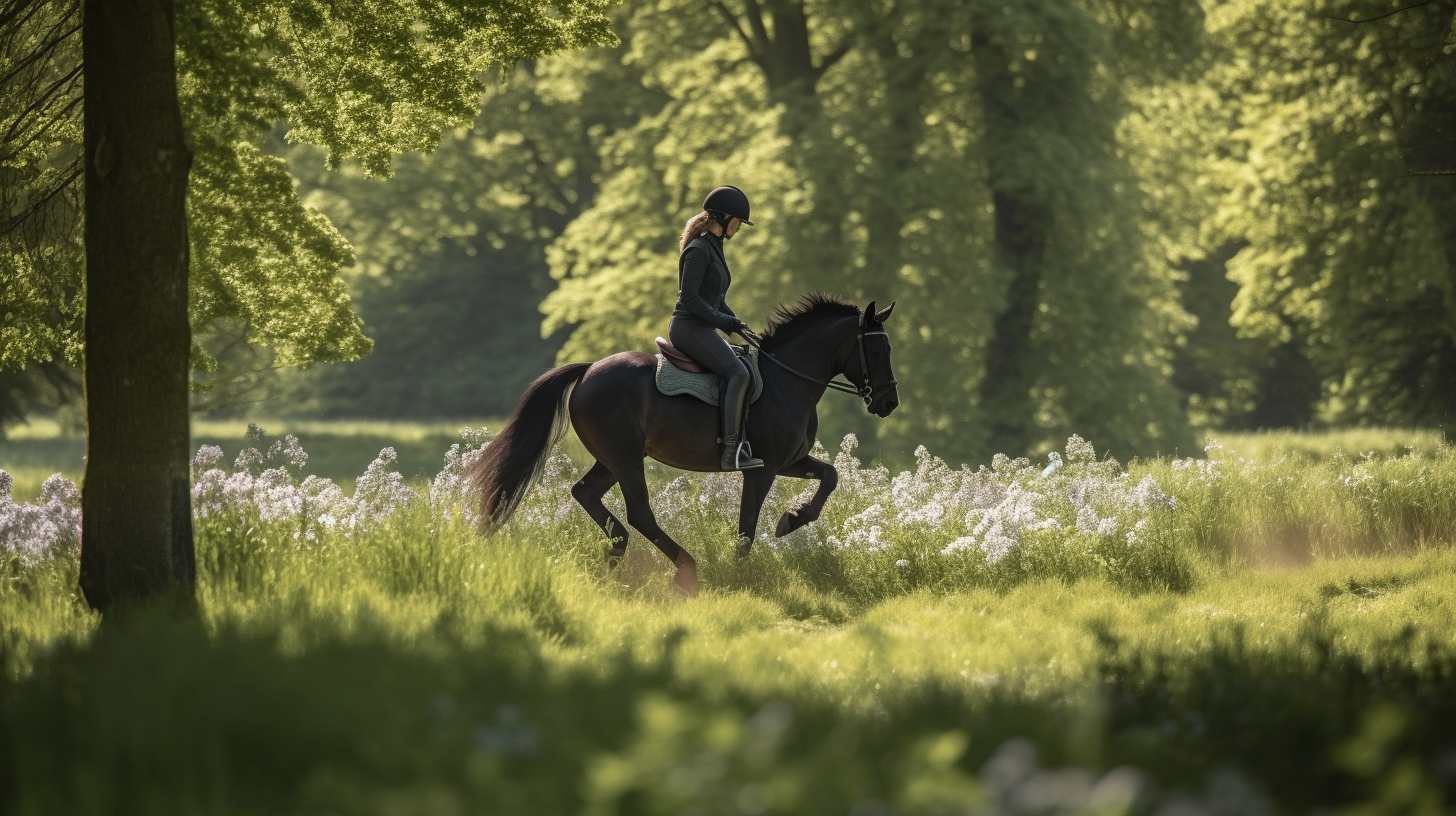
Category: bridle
[865,392]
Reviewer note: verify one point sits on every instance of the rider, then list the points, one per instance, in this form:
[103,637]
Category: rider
[703,278]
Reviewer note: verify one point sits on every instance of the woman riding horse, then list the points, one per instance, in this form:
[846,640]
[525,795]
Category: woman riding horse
[621,417]
[702,311]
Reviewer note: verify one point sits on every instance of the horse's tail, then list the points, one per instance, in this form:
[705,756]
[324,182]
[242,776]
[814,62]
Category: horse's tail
[513,460]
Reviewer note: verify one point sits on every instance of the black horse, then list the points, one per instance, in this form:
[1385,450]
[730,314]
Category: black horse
[621,417]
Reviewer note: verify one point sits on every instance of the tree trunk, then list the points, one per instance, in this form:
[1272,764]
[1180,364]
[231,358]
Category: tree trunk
[776,34]
[137,534]
[1022,220]
[886,200]
[1006,387]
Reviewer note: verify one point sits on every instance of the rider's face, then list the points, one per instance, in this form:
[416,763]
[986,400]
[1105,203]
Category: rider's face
[732,228]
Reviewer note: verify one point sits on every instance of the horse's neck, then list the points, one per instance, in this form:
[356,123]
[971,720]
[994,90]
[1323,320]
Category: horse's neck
[819,352]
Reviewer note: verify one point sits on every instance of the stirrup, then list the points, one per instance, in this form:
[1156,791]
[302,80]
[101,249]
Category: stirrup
[739,456]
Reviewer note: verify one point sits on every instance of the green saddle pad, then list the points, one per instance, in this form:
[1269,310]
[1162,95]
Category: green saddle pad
[672,380]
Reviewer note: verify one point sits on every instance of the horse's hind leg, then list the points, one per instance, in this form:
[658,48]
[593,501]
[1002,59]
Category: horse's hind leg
[588,492]
[640,515]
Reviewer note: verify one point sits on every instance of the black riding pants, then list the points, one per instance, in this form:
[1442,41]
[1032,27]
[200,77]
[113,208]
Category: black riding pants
[704,344]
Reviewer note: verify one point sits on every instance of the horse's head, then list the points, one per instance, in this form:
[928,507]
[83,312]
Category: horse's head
[869,369]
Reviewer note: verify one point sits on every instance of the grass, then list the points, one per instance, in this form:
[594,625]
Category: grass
[338,450]
[1353,443]
[1292,646]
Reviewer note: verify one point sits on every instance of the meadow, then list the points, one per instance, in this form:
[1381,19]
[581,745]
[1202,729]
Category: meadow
[1266,629]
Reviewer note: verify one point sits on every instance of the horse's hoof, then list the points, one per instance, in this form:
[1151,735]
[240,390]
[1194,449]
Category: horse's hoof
[788,523]
[745,546]
[614,557]
[686,581]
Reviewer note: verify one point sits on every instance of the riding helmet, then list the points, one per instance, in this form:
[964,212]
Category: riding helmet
[730,201]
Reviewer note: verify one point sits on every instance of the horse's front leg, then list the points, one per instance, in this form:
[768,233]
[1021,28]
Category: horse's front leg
[807,468]
[756,484]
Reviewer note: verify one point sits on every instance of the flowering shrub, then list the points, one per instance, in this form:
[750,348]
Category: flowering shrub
[934,525]
[266,488]
[1075,516]
[50,527]
[933,511]
[450,489]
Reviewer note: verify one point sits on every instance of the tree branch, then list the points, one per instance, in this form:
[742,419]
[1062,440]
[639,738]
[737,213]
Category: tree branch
[1383,16]
[38,205]
[833,56]
[43,51]
[755,21]
[10,16]
[39,104]
[732,22]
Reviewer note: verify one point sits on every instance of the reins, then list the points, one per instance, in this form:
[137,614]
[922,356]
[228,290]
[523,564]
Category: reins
[865,392]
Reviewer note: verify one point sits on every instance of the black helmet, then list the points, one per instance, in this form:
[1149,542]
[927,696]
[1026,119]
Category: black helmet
[730,201]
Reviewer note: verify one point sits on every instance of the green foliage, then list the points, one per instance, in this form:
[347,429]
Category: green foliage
[452,246]
[420,666]
[41,266]
[1311,144]
[365,81]
[857,163]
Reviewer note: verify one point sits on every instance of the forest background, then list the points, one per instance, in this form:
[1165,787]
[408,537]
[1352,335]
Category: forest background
[1129,221]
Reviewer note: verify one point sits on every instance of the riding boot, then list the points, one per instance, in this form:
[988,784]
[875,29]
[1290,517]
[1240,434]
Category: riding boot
[736,453]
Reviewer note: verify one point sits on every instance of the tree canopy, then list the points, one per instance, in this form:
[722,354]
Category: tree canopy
[190,224]
[365,81]
[1125,220]
[960,158]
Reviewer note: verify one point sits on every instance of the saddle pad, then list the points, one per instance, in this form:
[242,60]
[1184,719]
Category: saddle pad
[672,380]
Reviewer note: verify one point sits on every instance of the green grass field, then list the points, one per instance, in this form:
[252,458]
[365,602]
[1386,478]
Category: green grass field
[337,450]
[1277,635]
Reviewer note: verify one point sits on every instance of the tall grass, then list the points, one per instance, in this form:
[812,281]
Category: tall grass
[867,664]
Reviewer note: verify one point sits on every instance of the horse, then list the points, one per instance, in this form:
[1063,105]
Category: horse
[621,418]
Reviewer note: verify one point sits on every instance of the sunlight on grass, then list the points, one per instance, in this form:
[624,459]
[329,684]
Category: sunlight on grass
[1277,620]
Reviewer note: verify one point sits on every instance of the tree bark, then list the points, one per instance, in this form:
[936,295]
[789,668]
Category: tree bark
[137,535]
[1006,386]
[1022,221]
[776,34]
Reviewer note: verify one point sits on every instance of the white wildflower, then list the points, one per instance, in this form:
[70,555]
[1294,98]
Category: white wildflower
[864,530]
[1080,450]
[380,491]
[451,486]
[51,526]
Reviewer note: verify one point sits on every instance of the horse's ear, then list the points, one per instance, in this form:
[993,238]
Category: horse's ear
[885,315]
[870,310]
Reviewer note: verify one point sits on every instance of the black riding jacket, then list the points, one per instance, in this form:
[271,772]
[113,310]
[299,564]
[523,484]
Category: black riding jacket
[702,283]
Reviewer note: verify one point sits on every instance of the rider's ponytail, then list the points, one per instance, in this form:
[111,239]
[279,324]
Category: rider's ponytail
[695,227]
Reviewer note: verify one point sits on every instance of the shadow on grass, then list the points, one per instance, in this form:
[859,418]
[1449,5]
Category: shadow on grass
[158,716]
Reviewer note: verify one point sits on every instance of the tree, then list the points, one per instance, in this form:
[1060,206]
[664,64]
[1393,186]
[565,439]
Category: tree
[365,82]
[1317,188]
[451,247]
[137,541]
[960,158]
[41,265]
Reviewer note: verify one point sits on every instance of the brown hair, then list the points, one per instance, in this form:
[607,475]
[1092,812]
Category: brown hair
[695,227]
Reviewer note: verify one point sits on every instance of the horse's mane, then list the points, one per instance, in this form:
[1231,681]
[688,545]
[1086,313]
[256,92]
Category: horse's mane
[790,319]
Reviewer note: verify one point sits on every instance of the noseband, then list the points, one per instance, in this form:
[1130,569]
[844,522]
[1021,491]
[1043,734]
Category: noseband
[865,392]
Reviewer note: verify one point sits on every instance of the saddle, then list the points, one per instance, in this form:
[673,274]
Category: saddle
[678,373]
